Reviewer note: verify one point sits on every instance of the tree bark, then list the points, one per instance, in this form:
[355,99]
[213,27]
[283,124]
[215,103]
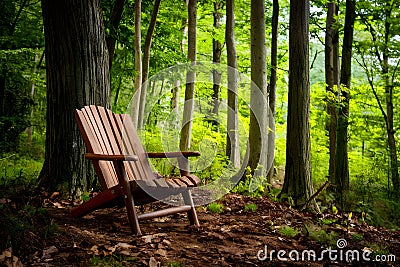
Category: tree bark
[389,102]
[257,137]
[272,79]
[188,108]
[298,183]
[77,74]
[138,63]
[232,138]
[331,90]
[217,49]
[342,160]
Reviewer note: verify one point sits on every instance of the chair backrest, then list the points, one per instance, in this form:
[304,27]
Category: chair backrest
[107,133]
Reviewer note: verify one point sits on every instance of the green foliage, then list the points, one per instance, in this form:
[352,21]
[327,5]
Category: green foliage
[254,187]
[378,249]
[17,224]
[357,237]
[327,239]
[215,207]
[18,173]
[289,231]
[20,214]
[85,196]
[250,207]
[244,187]
[113,260]
[21,40]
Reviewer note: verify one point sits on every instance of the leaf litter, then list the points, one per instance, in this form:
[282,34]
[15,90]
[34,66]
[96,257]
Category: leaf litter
[231,238]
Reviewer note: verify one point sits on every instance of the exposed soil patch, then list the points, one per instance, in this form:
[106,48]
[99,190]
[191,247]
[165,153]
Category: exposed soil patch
[231,238]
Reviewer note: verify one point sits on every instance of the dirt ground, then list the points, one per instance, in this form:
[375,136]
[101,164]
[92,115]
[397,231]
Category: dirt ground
[235,237]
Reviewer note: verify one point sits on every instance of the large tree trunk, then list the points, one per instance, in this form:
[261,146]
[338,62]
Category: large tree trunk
[331,87]
[298,183]
[188,108]
[77,75]
[146,62]
[272,79]
[342,160]
[232,139]
[258,126]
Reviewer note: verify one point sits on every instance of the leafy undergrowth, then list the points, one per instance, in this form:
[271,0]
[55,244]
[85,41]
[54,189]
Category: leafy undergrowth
[240,234]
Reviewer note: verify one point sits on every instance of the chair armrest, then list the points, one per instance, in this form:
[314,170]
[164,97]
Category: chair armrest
[176,154]
[93,156]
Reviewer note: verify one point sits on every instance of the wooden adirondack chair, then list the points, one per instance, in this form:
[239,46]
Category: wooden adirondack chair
[123,169]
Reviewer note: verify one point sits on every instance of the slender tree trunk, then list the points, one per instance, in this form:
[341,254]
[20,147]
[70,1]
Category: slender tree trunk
[232,139]
[382,54]
[184,31]
[116,16]
[188,108]
[298,183]
[146,61]
[29,130]
[74,32]
[138,63]
[175,97]
[331,90]
[217,49]
[3,76]
[389,103]
[342,160]
[258,127]
[272,79]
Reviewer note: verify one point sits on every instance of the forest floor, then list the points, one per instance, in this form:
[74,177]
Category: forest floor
[235,237]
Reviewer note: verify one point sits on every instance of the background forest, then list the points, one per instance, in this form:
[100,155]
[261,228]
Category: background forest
[372,99]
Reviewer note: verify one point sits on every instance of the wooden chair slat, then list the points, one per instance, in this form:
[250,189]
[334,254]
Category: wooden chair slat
[162,183]
[186,180]
[103,169]
[110,137]
[134,167]
[110,133]
[98,128]
[132,142]
[195,180]
[135,142]
[172,183]
[179,182]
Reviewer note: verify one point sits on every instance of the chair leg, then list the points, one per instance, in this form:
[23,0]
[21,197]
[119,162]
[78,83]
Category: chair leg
[128,198]
[192,214]
[132,214]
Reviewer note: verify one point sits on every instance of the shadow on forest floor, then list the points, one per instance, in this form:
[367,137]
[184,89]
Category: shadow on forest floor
[231,238]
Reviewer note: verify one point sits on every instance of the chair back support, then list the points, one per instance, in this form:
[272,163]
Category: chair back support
[107,133]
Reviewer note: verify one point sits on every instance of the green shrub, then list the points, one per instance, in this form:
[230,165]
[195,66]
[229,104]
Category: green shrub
[215,207]
[327,239]
[357,237]
[250,207]
[288,231]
